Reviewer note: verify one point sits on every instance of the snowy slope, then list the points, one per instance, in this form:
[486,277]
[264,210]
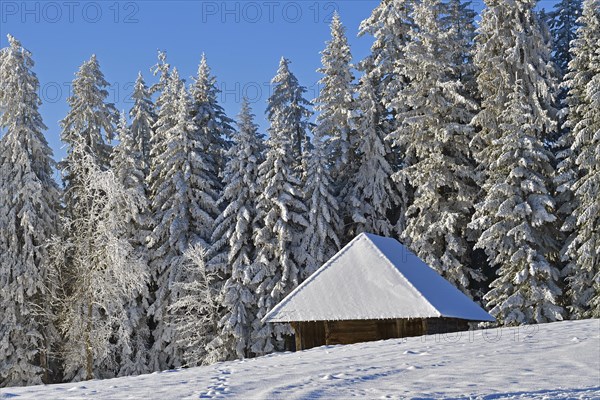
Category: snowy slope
[553,361]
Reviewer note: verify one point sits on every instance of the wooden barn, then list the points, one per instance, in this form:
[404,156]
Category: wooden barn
[374,289]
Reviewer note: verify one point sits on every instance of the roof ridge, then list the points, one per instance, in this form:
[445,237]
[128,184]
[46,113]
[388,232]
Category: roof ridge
[391,264]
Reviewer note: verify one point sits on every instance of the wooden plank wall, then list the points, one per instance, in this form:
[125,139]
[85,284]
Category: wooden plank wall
[319,333]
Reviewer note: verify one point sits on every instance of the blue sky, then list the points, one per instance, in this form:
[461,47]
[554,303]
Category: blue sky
[243,41]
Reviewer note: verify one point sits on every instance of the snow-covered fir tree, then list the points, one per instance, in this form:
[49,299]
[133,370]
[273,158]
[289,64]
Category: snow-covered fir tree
[182,204]
[129,167]
[288,112]
[562,21]
[215,127]
[100,273]
[143,118]
[335,103]
[280,220]
[389,24]
[320,240]
[370,193]
[458,17]
[510,47]
[163,69]
[516,220]
[582,247]
[233,246]
[89,127]
[435,132]
[29,206]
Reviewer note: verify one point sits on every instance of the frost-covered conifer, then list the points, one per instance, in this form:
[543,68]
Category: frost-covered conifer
[128,166]
[29,206]
[215,127]
[389,25]
[320,240]
[89,127]
[336,102]
[143,118]
[458,18]
[516,219]
[510,47]
[288,112]
[182,205]
[582,247]
[280,220]
[233,249]
[370,193]
[435,132]
[562,21]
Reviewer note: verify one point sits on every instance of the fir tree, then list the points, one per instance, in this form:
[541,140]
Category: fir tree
[516,220]
[233,247]
[89,126]
[320,240]
[563,22]
[29,209]
[215,128]
[435,133]
[335,103]
[280,220]
[194,314]
[288,111]
[182,204]
[370,193]
[389,24]
[582,247]
[510,47]
[143,118]
[128,165]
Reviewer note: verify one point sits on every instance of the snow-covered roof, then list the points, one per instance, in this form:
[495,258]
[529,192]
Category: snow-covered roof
[374,277]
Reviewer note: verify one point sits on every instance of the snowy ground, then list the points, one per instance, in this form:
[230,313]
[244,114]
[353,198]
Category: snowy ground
[550,361]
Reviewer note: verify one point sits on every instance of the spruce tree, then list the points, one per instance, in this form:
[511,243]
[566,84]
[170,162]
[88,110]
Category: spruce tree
[435,132]
[215,128]
[288,111]
[370,193]
[516,218]
[514,223]
[320,240]
[143,118]
[280,220]
[510,47]
[29,206]
[89,127]
[581,249]
[563,23]
[233,250]
[182,204]
[129,167]
[335,104]
[389,24]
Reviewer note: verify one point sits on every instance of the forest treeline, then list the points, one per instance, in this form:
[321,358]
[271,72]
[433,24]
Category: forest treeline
[175,229]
